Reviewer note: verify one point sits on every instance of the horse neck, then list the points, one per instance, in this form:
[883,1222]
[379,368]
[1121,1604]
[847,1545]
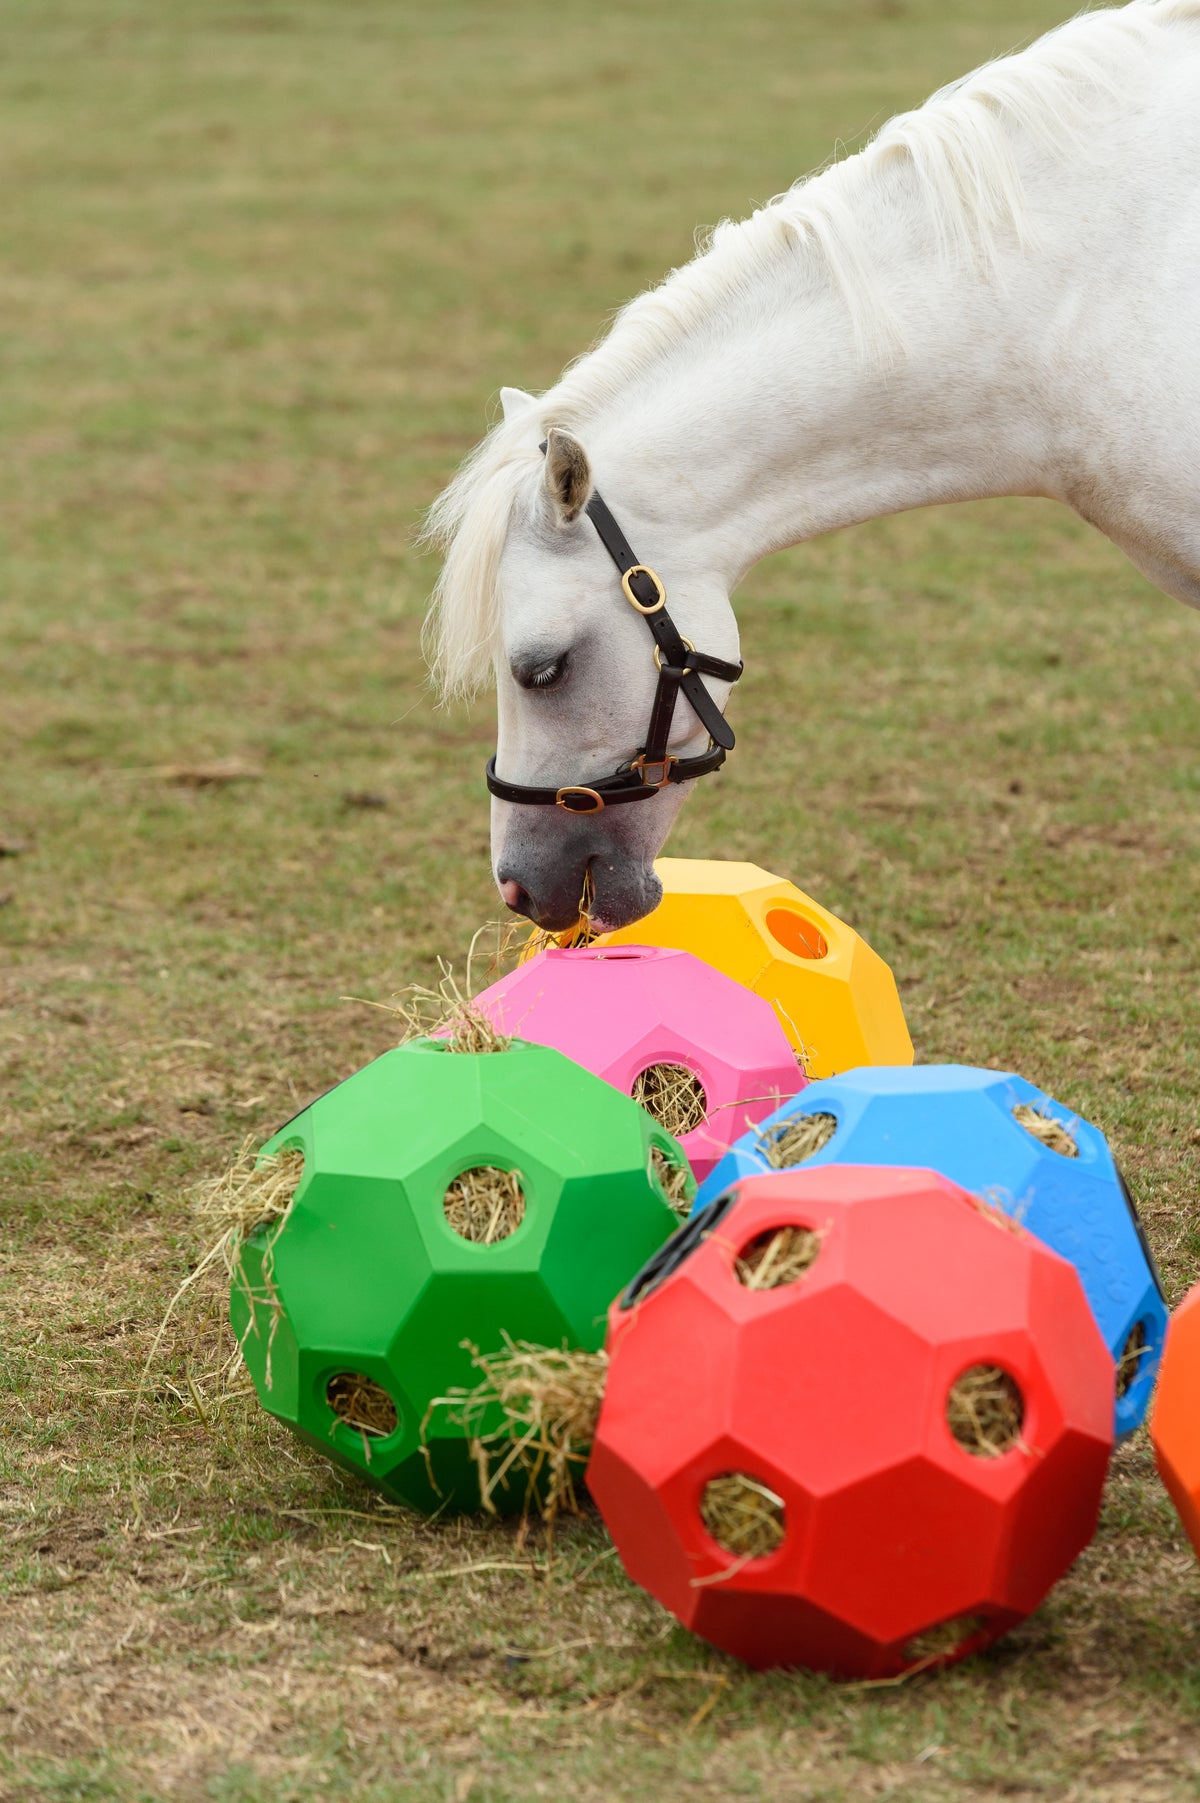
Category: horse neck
[774,425]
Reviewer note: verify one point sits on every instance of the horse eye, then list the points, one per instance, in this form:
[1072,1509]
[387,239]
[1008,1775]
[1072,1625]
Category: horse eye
[544,676]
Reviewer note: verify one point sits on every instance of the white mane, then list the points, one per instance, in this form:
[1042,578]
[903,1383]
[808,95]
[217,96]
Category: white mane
[961,146]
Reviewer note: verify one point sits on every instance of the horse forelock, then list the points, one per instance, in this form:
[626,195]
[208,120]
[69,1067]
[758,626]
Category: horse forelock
[961,152]
[469,522]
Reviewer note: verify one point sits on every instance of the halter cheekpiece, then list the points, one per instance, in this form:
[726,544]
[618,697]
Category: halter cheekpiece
[680,666]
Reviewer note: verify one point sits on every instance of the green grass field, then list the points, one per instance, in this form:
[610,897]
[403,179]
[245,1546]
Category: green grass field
[265,264]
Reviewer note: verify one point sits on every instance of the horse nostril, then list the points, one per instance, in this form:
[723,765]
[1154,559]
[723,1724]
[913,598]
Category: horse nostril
[516,898]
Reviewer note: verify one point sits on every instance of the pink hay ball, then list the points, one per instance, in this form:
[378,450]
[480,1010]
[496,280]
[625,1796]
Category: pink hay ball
[706,1056]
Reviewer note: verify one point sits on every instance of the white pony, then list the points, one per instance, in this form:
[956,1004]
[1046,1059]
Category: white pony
[1000,295]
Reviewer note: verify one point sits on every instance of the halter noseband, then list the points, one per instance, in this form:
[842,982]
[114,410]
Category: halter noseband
[680,666]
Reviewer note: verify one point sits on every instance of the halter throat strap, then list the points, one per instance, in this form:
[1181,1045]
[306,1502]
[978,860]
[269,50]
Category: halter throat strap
[680,669]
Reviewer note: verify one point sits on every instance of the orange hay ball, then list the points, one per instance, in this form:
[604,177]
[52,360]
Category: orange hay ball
[1175,1425]
[835,997]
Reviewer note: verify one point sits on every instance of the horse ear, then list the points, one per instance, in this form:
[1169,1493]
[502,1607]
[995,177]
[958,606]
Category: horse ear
[514,401]
[568,475]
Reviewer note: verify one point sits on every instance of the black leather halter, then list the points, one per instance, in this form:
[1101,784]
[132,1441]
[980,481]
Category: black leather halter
[680,666]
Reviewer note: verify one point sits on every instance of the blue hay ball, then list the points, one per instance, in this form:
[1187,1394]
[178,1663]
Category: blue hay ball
[960,1121]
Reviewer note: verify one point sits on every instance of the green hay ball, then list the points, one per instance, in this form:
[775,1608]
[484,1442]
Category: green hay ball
[445,1197]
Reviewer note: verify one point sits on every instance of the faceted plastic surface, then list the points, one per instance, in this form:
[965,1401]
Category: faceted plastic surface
[367,1276]
[959,1120]
[618,1009]
[836,998]
[832,1392]
[1175,1424]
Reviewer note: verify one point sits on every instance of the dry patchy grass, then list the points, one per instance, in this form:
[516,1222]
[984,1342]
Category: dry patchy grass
[263,265]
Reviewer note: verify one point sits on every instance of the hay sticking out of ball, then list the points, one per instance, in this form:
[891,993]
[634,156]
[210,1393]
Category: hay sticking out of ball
[797,1139]
[675,1180]
[985,1411]
[942,1641]
[1052,1133]
[549,1399]
[253,1192]
[742,1515]
[780,1256]
[1130,1362]
[443,1012]
[674,1095]
[359,1402]
[485,1204]
[805,1055]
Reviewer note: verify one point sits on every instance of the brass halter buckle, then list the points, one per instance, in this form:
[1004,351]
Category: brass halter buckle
[596,800]
[661,764]
[658,663]
[642,569]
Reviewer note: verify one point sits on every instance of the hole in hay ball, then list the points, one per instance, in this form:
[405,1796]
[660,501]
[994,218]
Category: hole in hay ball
[742,1515]
[359,1402]
[674,1095]
[1052,1133]
[485,1204]
[1130,1362]
[797,1139]
[781,1255]
[803,938]
[672,1179]
[944,1640]
[985,1411]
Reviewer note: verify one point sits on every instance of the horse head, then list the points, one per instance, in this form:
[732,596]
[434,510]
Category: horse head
[582,800]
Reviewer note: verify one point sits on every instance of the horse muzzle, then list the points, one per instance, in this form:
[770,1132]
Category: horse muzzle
[553,877]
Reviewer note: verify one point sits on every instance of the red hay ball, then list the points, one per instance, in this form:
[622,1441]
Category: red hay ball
[883,1461]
